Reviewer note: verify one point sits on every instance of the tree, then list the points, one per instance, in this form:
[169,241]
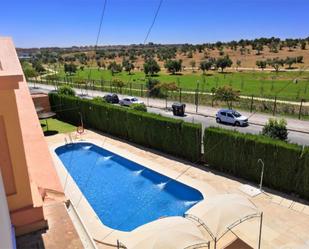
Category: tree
[118,83]
[276,129]
[276,63]
[128,66]
[101,64]
[70,68]
[261,64]
[205,65]
[242,50]
[173,66]
[192,64]
[273,47]
[153,87]
[30,72]
[238,64]
[169,86]
[151,67]
[299,59]
[259,48]
[223,62]
[291,43]
[290,61]
[303,45]
[226,94]
[37,65]
[114,67]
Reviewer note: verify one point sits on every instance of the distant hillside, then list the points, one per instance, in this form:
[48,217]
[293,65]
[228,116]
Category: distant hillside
[243,53]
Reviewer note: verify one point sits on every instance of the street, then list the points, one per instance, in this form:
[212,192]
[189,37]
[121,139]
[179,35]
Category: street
[294,137]
[298,129]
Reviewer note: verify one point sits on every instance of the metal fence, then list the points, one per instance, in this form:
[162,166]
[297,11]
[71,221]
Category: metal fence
[199,97]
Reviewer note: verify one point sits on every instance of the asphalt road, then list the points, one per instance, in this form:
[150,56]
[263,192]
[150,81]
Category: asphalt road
[206,121]
[294,137]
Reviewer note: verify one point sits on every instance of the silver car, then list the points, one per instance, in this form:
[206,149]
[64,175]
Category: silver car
[231,117]
[127,101]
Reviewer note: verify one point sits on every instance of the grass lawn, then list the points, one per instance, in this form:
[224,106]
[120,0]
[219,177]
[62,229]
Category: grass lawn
[56,126]
[262,84]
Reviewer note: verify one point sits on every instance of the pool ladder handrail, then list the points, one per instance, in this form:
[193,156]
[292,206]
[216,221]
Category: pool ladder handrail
[71,141]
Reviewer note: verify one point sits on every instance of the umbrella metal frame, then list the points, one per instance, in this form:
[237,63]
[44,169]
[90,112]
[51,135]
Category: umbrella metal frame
[196,246]
[230,227]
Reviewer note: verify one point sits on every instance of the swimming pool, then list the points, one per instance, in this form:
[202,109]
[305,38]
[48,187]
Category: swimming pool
[124,194]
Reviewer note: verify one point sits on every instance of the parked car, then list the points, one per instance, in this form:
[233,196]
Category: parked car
[111,98]
[231,117]
[127,101]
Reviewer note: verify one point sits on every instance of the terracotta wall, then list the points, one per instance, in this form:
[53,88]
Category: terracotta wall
[16,155]
[23,198]
[6,166]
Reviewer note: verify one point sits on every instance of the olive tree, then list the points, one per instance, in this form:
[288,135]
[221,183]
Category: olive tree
[223,62]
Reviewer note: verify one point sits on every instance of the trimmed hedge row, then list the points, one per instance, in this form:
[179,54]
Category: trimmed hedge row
[168,135]
[286,165]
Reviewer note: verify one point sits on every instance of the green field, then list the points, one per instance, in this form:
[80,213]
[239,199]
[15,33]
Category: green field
[260,84]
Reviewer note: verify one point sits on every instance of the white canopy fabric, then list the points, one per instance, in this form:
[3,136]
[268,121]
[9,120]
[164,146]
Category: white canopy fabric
[167,233]
[296,246]
[221,211]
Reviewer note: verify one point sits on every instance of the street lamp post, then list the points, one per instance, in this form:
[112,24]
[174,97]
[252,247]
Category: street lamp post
[262,173]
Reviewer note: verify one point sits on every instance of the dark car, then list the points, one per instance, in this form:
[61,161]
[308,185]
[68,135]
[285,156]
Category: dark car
[111,98]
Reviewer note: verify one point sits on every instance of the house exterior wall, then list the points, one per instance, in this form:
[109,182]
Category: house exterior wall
[22,193]
[5,224]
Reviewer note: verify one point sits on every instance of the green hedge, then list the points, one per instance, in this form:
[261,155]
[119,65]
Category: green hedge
[168,135]
[286,165]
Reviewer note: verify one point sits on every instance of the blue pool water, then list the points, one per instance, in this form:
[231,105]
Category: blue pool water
[124,194]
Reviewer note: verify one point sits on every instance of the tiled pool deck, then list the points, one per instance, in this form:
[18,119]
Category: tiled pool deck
[285,224]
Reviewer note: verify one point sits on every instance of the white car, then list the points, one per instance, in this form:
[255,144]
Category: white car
[127,101]
[231,117]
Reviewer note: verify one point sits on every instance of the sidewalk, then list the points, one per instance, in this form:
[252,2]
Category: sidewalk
[254,118]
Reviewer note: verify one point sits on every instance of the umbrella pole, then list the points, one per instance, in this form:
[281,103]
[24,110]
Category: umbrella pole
[260,234]
[46,124]
[215,246]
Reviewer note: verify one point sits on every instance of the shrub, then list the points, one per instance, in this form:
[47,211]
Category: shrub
[168,135]
[286,165]
[153,88]
[139,107]
[99,100]
[66,90]
[227,94]
[276,129]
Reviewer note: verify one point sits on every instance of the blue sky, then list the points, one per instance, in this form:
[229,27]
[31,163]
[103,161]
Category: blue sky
[37,23]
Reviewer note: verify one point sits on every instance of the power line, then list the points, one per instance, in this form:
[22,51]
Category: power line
[151,26]
[99,33]
[100,25]
[153,21]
